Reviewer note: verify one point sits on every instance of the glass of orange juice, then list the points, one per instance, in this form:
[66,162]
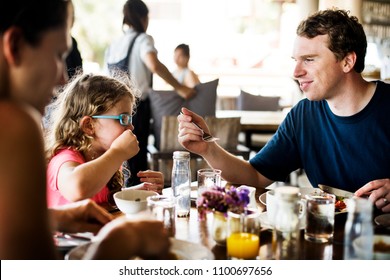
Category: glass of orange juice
[243,240]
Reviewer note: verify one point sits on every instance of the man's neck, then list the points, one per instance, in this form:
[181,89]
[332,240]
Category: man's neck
[352,100]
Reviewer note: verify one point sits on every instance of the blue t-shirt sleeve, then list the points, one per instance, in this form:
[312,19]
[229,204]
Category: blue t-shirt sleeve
[280,156]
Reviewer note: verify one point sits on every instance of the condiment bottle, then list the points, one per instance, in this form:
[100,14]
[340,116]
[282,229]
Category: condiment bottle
[359,231]
[181,182]
[286,232]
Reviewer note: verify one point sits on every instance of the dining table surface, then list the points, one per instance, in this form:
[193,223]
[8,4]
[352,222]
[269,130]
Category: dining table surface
[192,229]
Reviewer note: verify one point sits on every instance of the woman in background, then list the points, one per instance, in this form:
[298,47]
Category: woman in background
[141,64]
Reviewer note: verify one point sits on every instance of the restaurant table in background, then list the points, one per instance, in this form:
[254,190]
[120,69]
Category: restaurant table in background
[262,122]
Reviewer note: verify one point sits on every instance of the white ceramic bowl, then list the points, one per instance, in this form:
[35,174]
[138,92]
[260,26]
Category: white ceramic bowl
[131,201]
[381,246]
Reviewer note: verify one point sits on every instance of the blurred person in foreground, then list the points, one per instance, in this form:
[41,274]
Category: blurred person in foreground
[34,41]
[183,73]
[339,134]
[141,64]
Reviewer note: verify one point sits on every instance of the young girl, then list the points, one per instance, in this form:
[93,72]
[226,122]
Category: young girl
[183,73]
[89,138]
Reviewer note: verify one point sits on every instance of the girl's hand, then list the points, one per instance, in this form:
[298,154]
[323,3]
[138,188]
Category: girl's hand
[151,180]
[126,144]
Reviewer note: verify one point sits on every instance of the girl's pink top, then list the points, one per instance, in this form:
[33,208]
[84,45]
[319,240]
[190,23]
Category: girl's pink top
[54,196]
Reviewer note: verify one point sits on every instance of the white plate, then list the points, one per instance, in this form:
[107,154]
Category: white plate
[264,222]
[193,194]
[184,250]
[65,244]
[194,190]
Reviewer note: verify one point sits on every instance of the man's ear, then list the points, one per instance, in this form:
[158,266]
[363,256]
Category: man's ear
[349,62]
[12,42]
[86,124]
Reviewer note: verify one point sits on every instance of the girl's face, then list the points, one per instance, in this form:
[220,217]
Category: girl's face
[180,58]
[107,130]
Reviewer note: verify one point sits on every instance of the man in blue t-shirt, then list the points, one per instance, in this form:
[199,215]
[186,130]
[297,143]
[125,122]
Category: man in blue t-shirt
[340,134]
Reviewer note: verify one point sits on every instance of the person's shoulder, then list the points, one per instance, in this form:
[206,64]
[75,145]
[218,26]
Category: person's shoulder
[18,123]
[16,117]
[145,36]
[66,154]
[145,39]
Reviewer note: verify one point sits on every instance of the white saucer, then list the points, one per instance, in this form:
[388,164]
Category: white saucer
[183,249]
[263,198]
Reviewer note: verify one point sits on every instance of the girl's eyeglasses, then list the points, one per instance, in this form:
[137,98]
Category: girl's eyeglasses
[124,119]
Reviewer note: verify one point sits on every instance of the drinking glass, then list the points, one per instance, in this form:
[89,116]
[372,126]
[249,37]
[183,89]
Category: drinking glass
[243,240]
[320,216]
[162,208]
[208,178]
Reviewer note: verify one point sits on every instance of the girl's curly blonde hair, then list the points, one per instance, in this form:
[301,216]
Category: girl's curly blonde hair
[85,95]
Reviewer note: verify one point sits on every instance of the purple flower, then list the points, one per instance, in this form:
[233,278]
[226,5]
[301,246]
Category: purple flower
[222,200]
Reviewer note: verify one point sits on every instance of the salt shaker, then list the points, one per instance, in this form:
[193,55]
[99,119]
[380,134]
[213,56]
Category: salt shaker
[359,231]
[286,232]
[181,182]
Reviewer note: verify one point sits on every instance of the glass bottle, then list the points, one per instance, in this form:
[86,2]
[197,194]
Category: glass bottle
[359,231]
[181,182]
[286,232]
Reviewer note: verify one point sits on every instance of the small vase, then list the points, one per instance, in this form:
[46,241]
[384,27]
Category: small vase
[219,228]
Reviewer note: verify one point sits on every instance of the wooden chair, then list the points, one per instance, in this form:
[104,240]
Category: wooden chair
[250,102]
[227,129]
[169,103]
[165,106]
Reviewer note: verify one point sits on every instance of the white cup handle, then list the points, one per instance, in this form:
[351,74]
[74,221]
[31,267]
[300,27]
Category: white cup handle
[302,210]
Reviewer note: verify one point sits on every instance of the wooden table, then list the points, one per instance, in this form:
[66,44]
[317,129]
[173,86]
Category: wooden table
[192,230]
[263,122]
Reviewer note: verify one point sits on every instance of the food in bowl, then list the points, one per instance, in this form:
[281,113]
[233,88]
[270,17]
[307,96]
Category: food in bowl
[131,201]
[382,247]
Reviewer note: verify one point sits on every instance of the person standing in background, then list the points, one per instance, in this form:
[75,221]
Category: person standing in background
[74,61]
[142,63]
[183,73]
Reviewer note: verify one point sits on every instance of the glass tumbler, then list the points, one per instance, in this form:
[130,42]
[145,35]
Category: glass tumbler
[243,240]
